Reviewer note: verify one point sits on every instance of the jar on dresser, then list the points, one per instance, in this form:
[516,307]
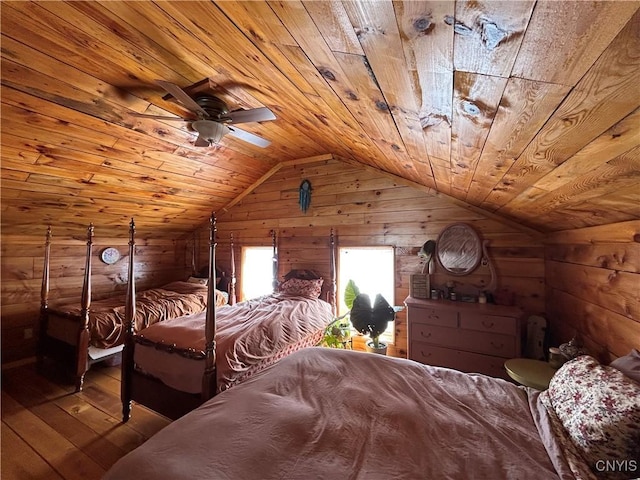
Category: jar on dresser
[470,337]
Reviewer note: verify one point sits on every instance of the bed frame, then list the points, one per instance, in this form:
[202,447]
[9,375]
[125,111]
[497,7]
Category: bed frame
[149,391]
[51,346]
[232,283]
[153,393]
[77,353]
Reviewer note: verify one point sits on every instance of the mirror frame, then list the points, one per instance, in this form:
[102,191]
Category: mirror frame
[475,252]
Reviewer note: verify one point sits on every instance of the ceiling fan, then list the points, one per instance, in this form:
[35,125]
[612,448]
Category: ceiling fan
[214,120]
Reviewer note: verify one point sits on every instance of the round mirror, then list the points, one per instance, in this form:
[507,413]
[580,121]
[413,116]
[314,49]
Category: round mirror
[459,249]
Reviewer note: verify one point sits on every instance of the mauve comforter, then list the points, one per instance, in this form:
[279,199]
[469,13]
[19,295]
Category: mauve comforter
[334,414]
[249,336]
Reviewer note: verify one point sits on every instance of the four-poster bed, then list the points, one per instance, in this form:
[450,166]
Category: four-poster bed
[89,332]
[174,366]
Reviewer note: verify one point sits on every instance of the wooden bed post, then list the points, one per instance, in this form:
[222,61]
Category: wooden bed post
[274,243]
[129,315]
[232,284]
[209,379]
[331,293]
[193,256]
[82,363]
[44,301]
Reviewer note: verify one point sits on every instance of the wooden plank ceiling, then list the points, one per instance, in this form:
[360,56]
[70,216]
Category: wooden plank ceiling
[526,109]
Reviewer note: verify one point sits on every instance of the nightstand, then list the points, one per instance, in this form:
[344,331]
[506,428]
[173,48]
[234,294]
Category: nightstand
[530,373]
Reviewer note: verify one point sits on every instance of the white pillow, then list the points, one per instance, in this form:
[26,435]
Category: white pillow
[629,365]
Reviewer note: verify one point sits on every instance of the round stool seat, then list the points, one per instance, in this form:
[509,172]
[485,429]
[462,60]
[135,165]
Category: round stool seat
[530,373]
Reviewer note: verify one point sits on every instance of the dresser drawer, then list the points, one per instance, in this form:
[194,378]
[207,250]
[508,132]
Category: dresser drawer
[434,316]
[488,323]
[446,336]
[494,344]
[458,360]
[432,355]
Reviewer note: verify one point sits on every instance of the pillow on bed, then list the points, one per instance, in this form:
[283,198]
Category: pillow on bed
[302,288]
[629,365]
[302,275]
[599,408]
[222,298]
[201,281]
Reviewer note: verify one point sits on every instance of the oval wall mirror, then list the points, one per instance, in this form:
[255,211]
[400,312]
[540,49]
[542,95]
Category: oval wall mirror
[459,249]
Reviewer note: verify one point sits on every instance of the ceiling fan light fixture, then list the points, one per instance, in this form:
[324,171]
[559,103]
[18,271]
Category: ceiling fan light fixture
[212,132]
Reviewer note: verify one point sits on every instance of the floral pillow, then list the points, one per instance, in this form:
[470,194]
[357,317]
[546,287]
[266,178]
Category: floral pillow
[302,288]
[600,410]
[201,281]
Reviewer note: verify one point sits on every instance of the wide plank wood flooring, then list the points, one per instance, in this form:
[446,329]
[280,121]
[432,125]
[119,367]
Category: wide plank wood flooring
[50,432]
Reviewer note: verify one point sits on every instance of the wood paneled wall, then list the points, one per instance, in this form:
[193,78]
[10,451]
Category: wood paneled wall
[157,262]
[367,208]
[592,275]
[593,287]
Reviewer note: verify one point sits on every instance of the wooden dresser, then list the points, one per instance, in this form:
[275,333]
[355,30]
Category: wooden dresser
[470,337]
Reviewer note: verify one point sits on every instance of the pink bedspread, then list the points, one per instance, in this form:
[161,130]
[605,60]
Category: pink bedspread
[334,414]
[248,334]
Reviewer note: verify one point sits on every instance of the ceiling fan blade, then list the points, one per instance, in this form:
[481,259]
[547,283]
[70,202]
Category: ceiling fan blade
[182,96]
[161,117]
[248,137]
[261,114]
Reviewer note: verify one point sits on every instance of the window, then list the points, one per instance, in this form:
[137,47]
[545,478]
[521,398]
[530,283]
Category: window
[372,270]
[257,272]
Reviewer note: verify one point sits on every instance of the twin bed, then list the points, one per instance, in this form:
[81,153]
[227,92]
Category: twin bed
[85,333]
[174,366]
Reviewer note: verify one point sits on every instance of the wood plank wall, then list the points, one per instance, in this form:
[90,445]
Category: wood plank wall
[593,287]
[367,208]
[591,275]
[157,262]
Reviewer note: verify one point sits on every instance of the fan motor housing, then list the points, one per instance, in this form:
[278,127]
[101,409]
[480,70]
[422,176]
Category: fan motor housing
[214,107]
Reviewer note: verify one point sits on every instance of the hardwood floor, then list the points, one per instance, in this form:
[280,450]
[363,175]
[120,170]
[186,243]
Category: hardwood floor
[50,432]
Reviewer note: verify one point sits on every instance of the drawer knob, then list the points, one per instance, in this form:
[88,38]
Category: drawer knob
[497,346]
[425,355]
[486,324]
[427,335]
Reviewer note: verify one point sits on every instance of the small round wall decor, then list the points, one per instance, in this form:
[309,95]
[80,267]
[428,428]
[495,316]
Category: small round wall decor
[110,255]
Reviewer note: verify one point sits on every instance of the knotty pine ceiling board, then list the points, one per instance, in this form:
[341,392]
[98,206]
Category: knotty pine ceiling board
[509,107]
[488,35]
[607,93]
[524,108]
[564,39]
[428,49]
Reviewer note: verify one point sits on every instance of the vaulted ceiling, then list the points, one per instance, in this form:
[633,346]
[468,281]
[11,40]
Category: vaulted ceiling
[526,109]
